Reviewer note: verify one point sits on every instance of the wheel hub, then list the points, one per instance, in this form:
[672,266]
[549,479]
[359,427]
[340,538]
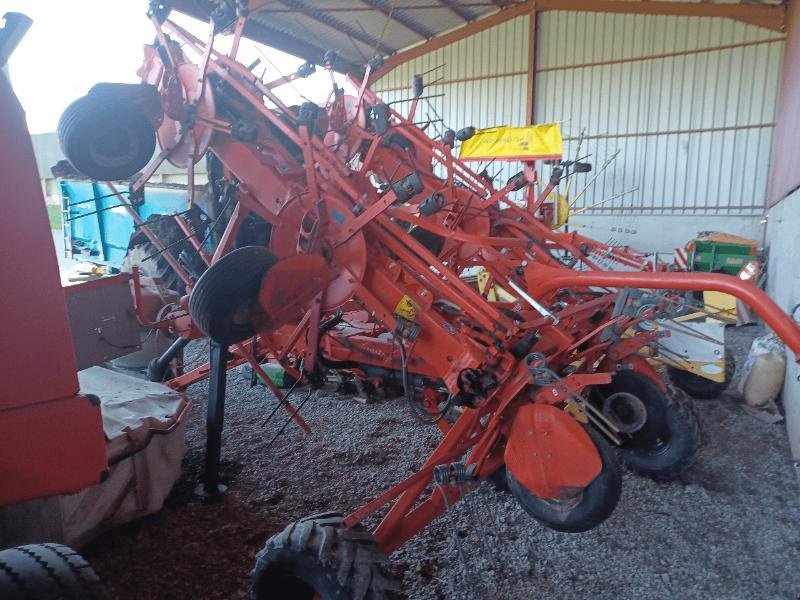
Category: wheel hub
[625,411]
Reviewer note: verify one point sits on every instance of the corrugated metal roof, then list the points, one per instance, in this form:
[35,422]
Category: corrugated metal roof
[356,30]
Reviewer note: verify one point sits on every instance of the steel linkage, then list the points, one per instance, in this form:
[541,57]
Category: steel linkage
[390,259]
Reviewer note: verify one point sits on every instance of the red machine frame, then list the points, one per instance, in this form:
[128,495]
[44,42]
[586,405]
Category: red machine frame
[344,188]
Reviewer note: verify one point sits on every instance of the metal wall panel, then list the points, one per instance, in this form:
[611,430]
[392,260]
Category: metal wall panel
[479,81]
[689,103]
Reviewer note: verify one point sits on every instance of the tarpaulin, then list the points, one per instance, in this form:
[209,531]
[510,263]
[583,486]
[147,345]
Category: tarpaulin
[535,142]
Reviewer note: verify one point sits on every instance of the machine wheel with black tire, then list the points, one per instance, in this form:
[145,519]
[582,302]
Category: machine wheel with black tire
[142,253]
[224,301]
[47,572]
[586,508]
[499,480]
[316,558]
[700,387]
[660,431]
[106,136]
[432,241]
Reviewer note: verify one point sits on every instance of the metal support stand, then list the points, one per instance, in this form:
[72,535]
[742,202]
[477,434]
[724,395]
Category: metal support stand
[157,368]
[218,363]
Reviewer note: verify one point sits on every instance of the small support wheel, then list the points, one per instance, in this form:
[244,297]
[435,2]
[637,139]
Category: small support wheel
[316,558]
[666,445]
[224,301]
[586,508]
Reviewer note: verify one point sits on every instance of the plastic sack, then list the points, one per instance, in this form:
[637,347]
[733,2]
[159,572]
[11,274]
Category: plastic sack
[764,371]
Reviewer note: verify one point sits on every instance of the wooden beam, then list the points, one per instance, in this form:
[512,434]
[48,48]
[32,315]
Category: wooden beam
[769,16]
[533,37]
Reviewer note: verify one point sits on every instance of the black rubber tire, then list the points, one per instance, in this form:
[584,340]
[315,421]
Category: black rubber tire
[599,499]
[432,241]
[700,387]
[224,301]
[499,480]
[316,556]
[47,572]
[106,136]
[143,254]
[667,443]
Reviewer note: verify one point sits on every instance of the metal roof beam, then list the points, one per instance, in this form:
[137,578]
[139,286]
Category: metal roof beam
[766,12]
[269,36]
[483,24]
[764,15]
[459,9]
[282,41]
[411,23]
[334,23]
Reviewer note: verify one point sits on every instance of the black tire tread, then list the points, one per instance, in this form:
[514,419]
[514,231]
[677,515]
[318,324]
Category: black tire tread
[674,410]
[350,557]
[80,568]
[90,112]
[167,231]
[700,387]
[681,405]
[16,581]
[603,495]
[47,571]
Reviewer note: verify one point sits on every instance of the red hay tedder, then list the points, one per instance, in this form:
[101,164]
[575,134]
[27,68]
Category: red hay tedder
[376,237]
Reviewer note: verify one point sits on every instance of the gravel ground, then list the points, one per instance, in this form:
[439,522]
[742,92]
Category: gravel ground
[729,529]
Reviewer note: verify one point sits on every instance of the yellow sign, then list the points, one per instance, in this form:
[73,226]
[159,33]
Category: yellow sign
[577,413]
[406,308]
[536,142]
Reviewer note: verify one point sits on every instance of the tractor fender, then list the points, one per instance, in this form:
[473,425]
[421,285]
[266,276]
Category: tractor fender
[550,453]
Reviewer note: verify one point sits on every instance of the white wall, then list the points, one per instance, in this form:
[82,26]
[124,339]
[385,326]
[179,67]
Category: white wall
[783,286]
[689,102]
[662,233]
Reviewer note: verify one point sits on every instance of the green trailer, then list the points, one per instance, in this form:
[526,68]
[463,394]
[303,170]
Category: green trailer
[721,253]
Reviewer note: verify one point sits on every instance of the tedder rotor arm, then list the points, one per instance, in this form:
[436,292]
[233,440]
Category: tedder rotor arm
[762,304]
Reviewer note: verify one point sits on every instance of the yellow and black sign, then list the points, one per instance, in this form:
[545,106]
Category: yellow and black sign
[406,308]
[536,142]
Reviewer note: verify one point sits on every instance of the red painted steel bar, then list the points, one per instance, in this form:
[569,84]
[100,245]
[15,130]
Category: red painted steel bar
[248,356]
[762,304]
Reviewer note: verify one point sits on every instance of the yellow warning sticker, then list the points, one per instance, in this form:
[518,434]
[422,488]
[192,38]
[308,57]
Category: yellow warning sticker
[406,308]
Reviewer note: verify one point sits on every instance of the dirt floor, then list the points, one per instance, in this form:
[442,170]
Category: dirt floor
[730,528]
